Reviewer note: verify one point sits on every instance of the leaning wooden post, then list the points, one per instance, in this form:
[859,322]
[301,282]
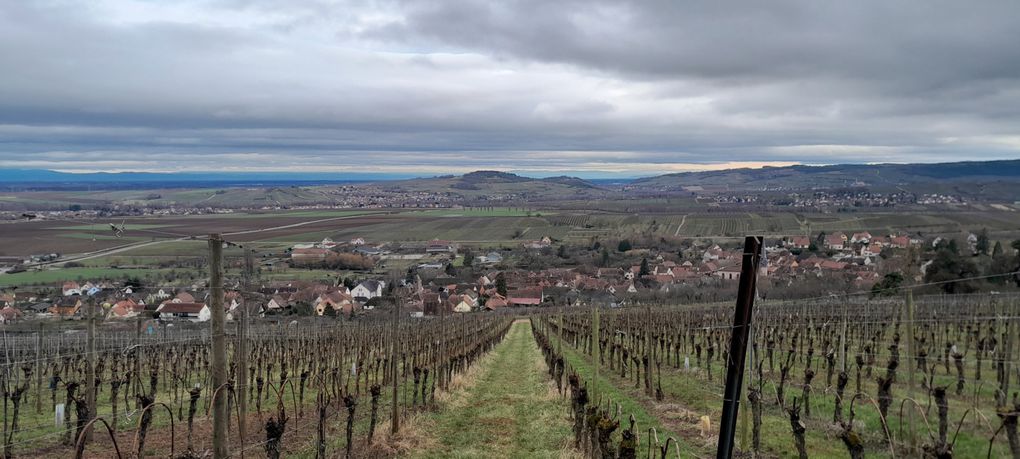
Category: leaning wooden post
[219,347]
[738,345]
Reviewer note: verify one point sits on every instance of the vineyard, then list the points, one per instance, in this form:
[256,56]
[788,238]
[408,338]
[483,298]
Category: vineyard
[317,391]
[827,379]
[843,377]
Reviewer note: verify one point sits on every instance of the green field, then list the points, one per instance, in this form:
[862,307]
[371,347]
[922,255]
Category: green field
[325,213]
[101,237]
[460,229]
[105,227]
[478,212]
[53,276]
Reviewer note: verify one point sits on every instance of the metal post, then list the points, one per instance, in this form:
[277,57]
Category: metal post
[738,345]
[219,348]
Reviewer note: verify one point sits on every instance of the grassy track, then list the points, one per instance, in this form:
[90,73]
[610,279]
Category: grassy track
[511,410]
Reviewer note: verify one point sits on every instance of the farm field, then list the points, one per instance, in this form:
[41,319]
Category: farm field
[149,241]
[54,276]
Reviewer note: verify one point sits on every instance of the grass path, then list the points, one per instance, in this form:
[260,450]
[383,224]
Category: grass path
[510,410]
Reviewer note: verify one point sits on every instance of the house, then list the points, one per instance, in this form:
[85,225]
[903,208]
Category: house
[609,273]
[369,251]
[91,289]
[276,303]
[713,253]
[66,307]
[327,243]
[861,238]
[440,246]
[728,273]
[831,265]
[622,288]
[9,314]
[870,250]
[835,241]
[125,308]
[525,297]
[337,300]
[183,297]
[489,258]
[358,241]
[431,303]
[899,242]
[539,244]
[40,308]
[198,312]
[368,290]
[665,269]
[461,303]
[71,288]
[495,302]
[800,242]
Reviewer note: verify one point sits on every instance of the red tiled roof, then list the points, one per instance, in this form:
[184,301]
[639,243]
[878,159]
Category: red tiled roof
[181,308]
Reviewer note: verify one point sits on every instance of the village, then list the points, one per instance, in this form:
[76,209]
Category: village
[444,277]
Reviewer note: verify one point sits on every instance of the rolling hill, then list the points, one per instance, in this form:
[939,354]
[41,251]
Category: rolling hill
[480,183]
[870,175]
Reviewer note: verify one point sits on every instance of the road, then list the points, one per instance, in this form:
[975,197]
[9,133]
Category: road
[681,225]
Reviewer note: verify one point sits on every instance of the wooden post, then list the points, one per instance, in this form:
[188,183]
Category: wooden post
[90,373]
[912,439]
[596,348]
[219,348]
[559,334]
[443,383]
[842,343]
[242,344]
[395,415]
[6,390]
[738,345]
[648,351]
[745,443]
[38,370]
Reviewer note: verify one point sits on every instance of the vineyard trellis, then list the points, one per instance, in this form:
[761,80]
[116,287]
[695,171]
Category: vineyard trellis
[154,392]
[934,377]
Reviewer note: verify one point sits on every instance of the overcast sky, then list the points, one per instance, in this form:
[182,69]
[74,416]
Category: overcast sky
[585,87]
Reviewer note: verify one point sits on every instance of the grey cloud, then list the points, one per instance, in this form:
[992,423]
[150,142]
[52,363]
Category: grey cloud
[518,84]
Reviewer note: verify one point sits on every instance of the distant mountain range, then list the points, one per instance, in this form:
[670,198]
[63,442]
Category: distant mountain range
[49,176]
[876,175]
[475,184]
[844,175]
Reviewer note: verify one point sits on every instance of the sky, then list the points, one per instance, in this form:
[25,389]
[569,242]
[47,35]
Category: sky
[584,87]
